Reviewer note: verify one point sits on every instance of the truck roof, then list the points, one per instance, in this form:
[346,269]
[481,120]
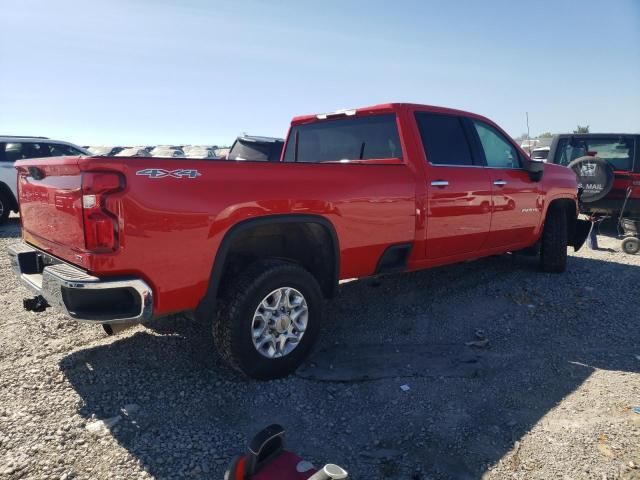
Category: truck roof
[381,108]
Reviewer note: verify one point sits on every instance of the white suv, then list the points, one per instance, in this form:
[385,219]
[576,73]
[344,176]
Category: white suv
[16,148]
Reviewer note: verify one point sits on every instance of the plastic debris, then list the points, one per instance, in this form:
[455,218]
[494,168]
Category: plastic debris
[481,340]
[478,343]
[405,387]
[100,428]
[636,410]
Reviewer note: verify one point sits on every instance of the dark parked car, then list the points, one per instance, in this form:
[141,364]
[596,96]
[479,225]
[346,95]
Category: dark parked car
[606,164]
[248,147]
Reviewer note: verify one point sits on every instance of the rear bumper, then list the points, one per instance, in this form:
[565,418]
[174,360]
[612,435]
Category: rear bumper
[79,294]
[611,206]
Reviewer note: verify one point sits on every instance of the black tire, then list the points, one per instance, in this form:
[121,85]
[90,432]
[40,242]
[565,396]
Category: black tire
[233,322]
[5,207]
[553,248]
[631,245]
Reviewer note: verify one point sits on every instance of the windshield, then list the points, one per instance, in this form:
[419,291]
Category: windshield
[617,151]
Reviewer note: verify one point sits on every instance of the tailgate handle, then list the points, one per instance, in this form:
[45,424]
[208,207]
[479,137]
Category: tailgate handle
[36,173]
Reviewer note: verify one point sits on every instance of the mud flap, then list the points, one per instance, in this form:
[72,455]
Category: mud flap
[580,233]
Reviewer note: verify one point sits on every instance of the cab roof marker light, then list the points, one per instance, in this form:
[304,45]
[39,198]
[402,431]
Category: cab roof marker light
[347,112]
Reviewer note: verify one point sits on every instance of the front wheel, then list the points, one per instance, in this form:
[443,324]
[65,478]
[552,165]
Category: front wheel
[5,207]
[555,238]
[270,319]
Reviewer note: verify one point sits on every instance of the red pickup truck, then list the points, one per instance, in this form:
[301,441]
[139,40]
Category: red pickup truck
[255,247]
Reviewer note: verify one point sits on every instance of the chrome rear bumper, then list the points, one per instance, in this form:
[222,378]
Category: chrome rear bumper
[81,295]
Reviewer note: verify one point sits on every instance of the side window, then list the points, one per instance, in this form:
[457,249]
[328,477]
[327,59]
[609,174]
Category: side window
[498,151]
[10,152]
[61,150]
[567,152]
[361,138]
[444,139]
[35,150]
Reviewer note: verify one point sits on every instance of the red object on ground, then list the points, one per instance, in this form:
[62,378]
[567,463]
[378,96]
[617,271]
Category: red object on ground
[283,467]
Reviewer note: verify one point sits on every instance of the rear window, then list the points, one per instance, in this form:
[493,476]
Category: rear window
[255,151]
[617,151]
[540,154]
[361,138]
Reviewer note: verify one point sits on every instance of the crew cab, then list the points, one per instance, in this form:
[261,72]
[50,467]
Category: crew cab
[256,247]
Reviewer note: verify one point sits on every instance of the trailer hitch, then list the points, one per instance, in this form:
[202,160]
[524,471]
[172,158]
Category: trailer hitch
[35,304]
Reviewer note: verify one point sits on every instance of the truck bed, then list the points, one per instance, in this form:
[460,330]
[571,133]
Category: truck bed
[172,214]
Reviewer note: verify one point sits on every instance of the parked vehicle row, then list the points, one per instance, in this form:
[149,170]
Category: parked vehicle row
[253,247]
[13,148]
[162,151]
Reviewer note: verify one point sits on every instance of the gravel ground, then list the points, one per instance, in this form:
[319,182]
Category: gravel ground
[549,395]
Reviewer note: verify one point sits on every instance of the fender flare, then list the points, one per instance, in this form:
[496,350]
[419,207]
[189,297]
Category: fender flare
[579,230]
[208,302]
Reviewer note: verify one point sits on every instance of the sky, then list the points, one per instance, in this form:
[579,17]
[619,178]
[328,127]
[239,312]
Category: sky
[146,72]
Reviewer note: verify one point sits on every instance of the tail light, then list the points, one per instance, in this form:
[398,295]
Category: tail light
[100,225]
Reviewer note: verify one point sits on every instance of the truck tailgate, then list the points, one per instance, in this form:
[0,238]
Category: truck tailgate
[50,197]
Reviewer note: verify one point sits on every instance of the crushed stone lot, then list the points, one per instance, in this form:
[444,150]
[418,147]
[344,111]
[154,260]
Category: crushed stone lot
[488,369]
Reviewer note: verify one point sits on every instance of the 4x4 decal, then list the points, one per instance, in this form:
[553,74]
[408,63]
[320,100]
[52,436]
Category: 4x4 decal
[162,173]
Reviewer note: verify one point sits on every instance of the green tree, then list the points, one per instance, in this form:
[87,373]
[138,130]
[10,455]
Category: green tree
[545,135]
[582,129]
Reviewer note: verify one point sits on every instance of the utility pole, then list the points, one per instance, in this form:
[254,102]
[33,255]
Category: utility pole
[528,137]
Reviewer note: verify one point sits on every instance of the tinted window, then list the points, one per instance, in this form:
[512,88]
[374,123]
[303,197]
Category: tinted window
[617,151]
[19,151]
[35,150]
[10,152]
[345,139]
[498,151]
[255,151]
[60,150]
[444,140]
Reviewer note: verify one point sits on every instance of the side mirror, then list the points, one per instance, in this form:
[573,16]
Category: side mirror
[535,168]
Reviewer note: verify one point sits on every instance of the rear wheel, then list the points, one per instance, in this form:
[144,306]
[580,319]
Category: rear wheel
[631,245]
[5,207]
[553,248]
[270,319]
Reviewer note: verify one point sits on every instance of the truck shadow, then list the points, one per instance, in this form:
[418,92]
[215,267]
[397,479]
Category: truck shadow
[465,408]
[10,228]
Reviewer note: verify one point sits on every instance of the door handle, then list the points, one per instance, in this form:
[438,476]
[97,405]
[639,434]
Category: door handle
[439,183]
[500,183]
